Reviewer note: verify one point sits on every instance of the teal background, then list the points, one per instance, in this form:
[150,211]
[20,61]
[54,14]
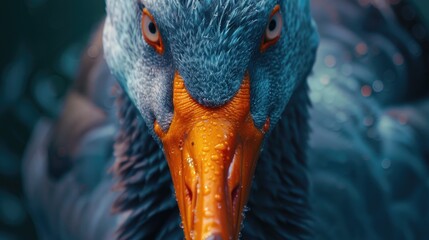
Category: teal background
[41,43]
[423,7]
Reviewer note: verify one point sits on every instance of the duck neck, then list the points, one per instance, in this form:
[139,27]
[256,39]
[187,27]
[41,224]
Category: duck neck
[143,179]
[278,204]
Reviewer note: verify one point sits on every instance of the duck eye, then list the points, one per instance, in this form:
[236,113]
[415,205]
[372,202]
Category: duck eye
[151,32]
[273,30]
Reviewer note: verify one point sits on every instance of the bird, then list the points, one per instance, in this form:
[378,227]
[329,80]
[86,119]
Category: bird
[251,119]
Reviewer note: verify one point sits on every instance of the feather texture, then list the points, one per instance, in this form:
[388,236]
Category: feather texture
[360,173]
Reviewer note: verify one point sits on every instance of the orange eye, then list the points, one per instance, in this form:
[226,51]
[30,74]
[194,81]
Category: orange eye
[273,30]
[151,32]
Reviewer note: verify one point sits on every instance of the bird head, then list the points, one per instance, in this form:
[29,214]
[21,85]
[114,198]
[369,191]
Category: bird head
[210,79]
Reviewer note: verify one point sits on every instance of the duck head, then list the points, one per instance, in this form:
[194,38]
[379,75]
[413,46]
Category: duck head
[210,79]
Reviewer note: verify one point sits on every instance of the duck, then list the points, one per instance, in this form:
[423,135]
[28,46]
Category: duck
[251,119]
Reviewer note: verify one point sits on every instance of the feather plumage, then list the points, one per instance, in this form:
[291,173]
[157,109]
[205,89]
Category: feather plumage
[347,178]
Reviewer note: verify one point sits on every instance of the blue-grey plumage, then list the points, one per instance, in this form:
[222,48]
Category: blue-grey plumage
[363,175]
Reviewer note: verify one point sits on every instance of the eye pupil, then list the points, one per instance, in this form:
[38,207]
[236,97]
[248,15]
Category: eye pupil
[273,29]
[273,24]
[152,28]
[150,32]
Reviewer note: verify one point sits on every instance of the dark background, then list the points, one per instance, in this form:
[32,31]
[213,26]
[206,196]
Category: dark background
[41,43]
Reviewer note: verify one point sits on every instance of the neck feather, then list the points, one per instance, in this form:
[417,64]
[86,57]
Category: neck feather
[278,203]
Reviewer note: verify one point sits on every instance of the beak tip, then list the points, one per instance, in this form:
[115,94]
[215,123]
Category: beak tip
[215,237]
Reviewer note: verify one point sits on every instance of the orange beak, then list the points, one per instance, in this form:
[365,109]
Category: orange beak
[212,154]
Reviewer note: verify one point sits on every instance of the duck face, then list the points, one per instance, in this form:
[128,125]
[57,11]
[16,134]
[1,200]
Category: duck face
[210,79]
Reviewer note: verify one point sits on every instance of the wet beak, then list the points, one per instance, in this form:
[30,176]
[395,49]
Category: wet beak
[212,154]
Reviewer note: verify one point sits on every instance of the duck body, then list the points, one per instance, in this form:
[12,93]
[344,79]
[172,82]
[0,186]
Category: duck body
[354,165]
[368,152]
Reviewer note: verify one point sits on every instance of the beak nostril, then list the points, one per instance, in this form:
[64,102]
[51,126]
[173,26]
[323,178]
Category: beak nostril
[188,193]
[234,196]
[214,237]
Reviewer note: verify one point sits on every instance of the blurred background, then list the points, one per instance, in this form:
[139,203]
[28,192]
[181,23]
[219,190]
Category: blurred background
[41,46]
[41,43]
